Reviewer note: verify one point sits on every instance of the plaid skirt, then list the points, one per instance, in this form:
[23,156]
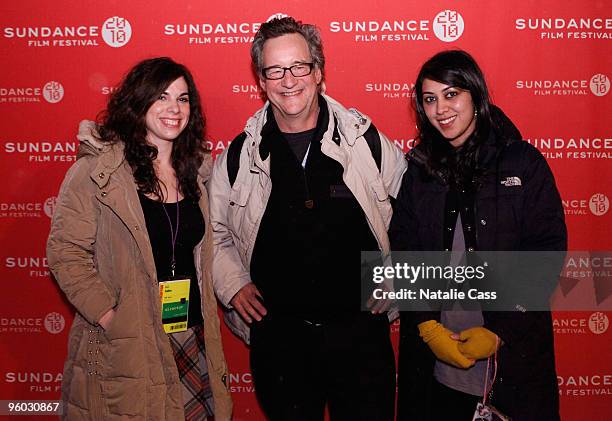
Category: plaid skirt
[190,356]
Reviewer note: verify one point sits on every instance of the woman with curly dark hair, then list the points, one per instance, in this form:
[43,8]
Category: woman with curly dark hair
[472,185]
[131,247]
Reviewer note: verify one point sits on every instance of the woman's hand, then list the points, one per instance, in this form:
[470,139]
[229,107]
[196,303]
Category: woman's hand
[477,343]
[440,341]
[106,319]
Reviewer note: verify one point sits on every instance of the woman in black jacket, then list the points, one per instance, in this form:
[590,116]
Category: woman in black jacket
[473,185]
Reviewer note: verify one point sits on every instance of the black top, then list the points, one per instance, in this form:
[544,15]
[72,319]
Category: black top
[307,257]
[190,233]
[298,142]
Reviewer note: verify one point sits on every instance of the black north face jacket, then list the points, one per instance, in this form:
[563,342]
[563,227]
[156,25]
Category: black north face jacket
[524,213]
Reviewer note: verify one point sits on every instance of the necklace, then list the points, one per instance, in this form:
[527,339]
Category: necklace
[173,233]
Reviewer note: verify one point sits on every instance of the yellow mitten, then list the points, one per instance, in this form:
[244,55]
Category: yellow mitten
[478,343]
[439,340]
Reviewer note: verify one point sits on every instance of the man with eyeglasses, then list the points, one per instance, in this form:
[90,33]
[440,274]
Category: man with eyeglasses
[294,200]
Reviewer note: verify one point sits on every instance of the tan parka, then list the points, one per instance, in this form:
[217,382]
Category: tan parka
[236,210]
[100,254]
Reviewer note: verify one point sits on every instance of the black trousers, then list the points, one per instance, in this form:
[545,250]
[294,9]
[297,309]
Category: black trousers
[348,364]
[451,404]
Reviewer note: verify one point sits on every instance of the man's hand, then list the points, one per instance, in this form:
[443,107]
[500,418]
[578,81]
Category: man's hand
[106,319]
[379,306]
[248,302]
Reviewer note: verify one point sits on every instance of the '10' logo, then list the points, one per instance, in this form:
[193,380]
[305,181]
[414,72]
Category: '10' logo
[448,25]
[116,31]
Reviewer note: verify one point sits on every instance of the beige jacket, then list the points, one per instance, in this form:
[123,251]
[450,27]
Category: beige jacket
[99,252]
[236,211]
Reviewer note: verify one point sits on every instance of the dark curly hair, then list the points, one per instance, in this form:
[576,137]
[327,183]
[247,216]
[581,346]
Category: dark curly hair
[454,68]
[124,121]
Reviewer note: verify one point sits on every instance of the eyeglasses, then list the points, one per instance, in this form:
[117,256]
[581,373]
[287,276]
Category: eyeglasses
[297,70]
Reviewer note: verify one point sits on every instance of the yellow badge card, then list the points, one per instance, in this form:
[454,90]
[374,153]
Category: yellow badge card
[174,297]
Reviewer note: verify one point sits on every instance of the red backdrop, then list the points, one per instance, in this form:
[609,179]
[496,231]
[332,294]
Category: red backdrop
[548,64]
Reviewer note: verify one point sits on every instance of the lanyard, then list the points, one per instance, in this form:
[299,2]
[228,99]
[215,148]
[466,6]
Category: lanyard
[484,395]
[305,157]
[173,233]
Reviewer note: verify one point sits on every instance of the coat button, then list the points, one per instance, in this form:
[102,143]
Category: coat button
[453,211]
[103,194]
[468,228]
[136,227]
[470,248]
[101,175]
[232,203]
[483,222]
[449,229]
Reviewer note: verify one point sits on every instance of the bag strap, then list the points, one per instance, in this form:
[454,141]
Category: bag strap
[233,157]
[371,137]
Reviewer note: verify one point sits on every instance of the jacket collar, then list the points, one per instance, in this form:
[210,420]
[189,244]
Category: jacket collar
[110,155]
[271,133]
[205,169]
[344,128]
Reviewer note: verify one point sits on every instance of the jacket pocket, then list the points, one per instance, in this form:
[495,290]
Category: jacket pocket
[239,195]
[125,322]
[124,397]
[237,209]
[379,190]
[340,191]
[382,199]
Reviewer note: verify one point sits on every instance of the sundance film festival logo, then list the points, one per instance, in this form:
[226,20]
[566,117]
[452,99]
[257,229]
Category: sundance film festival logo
[33,267]
[18,210]
[35,381]
[252,91]
[599,204]
[241,383]
[277,16]
[566,28]
[54,323]
[208,33]
[447,26]
[573,147]
[52,92]
[404,144]
[390,90]
[115,32]
[598,323]
[599,384]
[26,325]
[598,85]
[42,151]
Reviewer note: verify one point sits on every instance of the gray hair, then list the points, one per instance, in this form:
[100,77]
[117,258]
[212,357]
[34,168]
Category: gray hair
[282,26]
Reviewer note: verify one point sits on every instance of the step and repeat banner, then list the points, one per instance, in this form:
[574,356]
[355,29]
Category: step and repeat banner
[548,64]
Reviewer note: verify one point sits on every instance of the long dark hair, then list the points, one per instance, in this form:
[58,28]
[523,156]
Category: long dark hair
[454,68]
[124,121]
